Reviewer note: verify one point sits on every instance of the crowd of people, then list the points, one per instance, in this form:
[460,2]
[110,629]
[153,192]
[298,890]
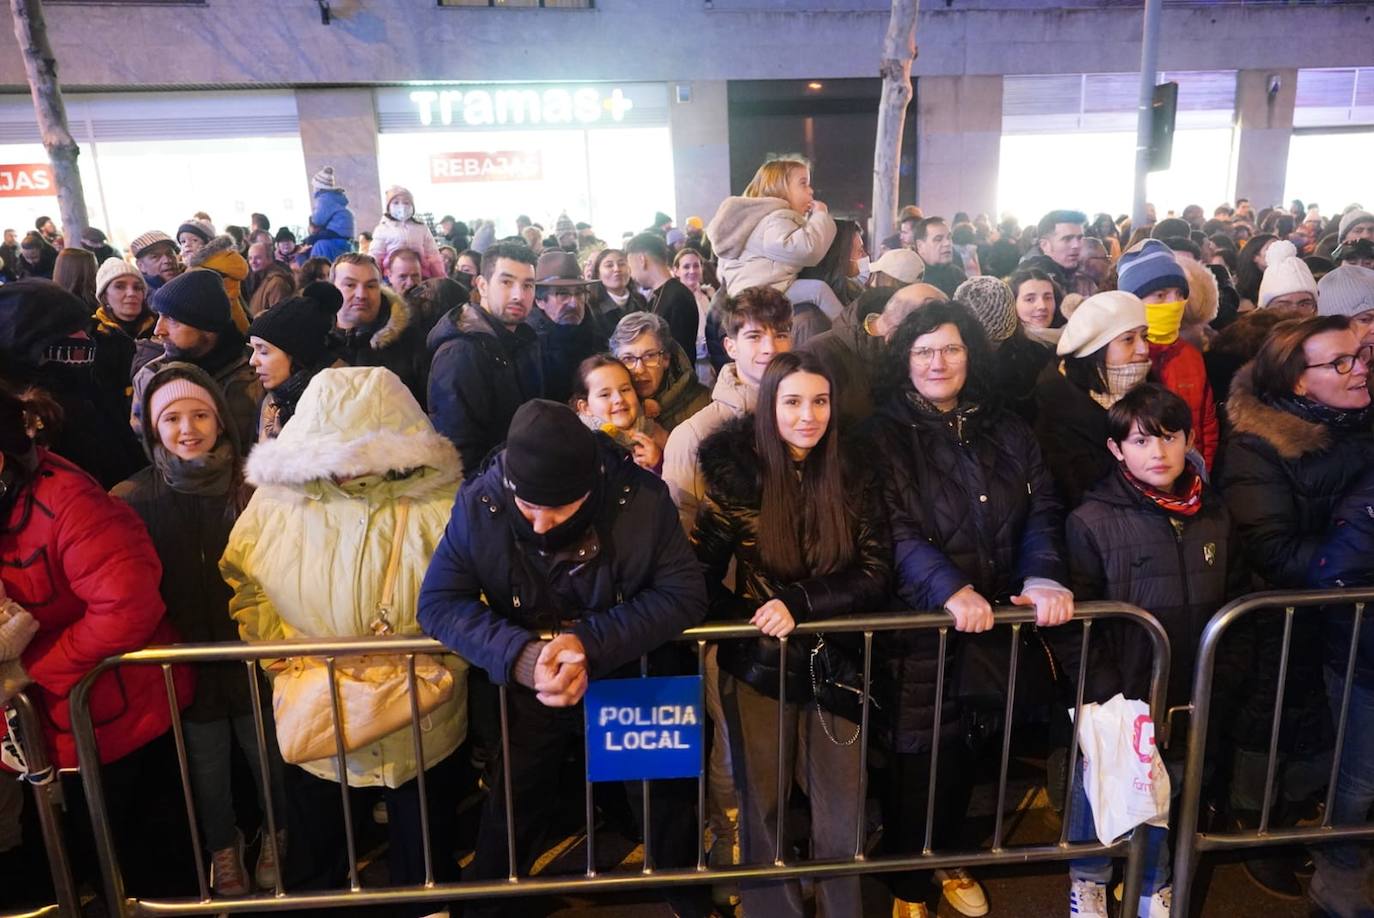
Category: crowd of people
[429,429]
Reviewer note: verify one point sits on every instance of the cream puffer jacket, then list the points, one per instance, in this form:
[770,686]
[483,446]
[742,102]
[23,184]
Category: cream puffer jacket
[762,242]
[308,556]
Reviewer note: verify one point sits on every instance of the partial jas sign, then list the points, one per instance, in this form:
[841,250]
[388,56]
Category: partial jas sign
[483,166]
[21,180]
[644,729]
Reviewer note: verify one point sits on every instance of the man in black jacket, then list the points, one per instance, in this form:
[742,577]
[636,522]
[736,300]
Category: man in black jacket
[563,533]
[668,296]
[373,327]
[484,359]
[568,332]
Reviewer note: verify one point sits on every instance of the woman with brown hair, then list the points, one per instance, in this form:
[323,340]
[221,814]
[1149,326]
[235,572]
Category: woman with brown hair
[801,522]
[75,271]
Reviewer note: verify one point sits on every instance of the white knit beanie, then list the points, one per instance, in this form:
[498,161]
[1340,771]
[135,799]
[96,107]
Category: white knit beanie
[111,268]
[1351,219]
[1099,319]
[1346,291]
[323,180]
[1287,273]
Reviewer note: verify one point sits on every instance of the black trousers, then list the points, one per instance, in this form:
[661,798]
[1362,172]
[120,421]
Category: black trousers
[540,739]
[904,810]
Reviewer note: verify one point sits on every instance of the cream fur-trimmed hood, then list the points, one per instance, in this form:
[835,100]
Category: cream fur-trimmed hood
[351,422]
[398,320]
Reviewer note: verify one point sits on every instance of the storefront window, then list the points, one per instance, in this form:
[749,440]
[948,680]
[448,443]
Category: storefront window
[1092,172]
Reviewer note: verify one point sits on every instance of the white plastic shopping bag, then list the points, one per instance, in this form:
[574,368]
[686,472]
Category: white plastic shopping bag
[1124,776]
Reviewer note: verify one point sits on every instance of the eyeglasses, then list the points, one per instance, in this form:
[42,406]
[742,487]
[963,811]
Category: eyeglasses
[1345,363]
[953,354]
[653,360]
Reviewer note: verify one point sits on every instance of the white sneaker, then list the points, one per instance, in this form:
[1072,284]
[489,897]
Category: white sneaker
[1160,903]
[1088,899]
[227,875]
[962,892]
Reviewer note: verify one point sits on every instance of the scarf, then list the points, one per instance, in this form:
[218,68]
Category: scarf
[956,418]
[1120,380]
[211,475]
[566,532]
[1187,499]
[1163,320]
[1319,413]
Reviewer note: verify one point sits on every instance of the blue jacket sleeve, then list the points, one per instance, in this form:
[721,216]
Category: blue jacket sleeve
[1041,553]
[1342,559]
[925,576]
[672,601]
[451,609]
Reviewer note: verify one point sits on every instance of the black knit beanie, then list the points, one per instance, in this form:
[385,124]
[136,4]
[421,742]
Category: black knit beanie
[301,325]
[195,298]
[551,456]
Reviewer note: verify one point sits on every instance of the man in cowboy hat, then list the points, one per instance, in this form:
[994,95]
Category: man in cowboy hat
[568,332]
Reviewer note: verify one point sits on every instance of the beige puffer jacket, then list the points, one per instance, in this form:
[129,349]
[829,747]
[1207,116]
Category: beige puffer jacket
[762,242]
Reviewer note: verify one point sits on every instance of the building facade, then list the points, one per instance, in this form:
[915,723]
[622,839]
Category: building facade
[614,109]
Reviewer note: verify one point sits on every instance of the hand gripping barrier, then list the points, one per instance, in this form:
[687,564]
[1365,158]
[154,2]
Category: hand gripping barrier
[1191,842]
[1012,619]
[40,775]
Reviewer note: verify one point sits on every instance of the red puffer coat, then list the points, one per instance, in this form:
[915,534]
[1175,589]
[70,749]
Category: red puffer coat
[82,563]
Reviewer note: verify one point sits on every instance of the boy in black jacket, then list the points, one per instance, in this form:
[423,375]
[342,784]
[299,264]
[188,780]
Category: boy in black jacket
[1151,533]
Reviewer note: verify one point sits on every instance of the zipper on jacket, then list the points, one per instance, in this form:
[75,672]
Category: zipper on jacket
[1177,527]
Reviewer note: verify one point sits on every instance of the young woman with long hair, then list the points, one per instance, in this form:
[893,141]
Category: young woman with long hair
[800,520]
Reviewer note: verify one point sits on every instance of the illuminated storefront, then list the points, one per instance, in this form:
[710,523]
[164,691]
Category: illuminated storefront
[601,153]
[151,159]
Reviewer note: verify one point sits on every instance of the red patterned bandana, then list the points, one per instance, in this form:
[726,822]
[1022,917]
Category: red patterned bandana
[1186,502]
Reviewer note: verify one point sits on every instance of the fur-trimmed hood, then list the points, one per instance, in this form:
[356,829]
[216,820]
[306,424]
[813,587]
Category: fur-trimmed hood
[352,422]
[397,320]
[1289,435]
[736,220]
[1203,296]
[222,255]
[1243,337]
[729,462]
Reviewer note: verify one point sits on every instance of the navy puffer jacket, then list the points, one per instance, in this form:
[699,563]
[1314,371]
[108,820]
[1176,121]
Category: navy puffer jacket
[633,587]
[1343,560]
[970,502]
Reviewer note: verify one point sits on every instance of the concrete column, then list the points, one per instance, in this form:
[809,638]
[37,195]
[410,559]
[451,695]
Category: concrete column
[701,149]
[1264,126]
[958,141]
[339,129]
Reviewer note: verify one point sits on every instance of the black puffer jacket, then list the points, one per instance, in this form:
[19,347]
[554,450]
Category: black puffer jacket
[562,348]
[1020,361]
[1072,430]
[727,527]
[1283,477]
[1124,548]
[970,503]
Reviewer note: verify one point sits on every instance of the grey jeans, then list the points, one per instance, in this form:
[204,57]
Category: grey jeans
[825,770]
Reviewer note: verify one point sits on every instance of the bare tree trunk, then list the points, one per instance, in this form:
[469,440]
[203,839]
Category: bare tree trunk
[32,34]
[899,50]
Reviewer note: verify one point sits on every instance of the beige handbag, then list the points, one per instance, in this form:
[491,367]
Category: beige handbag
[374,691]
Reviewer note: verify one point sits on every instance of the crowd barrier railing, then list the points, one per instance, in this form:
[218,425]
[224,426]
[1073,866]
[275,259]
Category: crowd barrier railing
[42,778]
[1191,843]
[1009,619]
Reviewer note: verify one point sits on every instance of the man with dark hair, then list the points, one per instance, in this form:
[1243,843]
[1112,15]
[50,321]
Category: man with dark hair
[648,256]
[403,270]
[1059,248]
[47,230]
[485,359]
[568,332]
[563,532]
[259,222]
[930,237]
[373,327]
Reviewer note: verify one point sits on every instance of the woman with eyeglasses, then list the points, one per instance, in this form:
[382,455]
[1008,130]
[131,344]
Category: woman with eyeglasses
[1300,438]
[663,375]
[975,522]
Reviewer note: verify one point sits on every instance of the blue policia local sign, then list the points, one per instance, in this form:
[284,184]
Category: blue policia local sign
[641,729]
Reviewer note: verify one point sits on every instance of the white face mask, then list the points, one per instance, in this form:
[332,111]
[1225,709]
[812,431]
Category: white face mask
[401,212]
[864,270]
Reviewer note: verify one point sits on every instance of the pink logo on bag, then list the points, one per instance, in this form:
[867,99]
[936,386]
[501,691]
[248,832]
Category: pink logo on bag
[1144,740]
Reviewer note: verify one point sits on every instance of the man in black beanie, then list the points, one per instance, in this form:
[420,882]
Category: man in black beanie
[563,534]
[195,326]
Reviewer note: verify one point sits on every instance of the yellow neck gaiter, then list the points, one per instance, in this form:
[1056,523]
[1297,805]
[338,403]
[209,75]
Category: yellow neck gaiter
[1162,321]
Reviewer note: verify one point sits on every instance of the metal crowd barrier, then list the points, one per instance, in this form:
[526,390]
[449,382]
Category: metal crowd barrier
[43,778]
[1192,843]
[1014,618]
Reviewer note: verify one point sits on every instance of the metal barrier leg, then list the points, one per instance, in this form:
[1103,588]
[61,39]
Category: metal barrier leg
[1006,737]
[47,798]
[184,768]
[341,761]
[862,806]
[269,807]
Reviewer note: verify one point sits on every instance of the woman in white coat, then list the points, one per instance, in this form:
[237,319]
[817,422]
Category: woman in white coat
[358,466]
